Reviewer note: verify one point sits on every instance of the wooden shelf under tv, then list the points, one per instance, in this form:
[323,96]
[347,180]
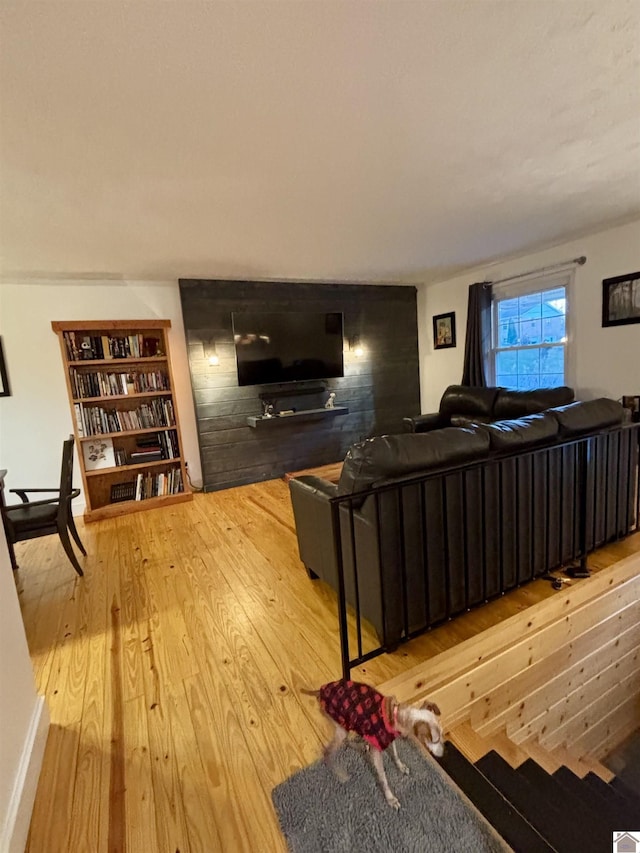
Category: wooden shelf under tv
[267,422]
[149,336]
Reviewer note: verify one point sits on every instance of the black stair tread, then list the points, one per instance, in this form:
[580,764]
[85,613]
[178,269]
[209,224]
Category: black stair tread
[620,786]
[630,805]
[616,793]
[546,815]
[601,786]
[583,807]
[505,819]
[604,807]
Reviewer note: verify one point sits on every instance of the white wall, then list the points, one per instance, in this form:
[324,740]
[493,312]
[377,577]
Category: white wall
[606,360]
[24,720]
[36,419]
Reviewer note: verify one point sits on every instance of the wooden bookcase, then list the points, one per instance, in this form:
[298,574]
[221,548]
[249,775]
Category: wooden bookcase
[120,387]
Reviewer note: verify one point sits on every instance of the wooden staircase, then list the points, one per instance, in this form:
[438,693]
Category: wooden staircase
[535,809]
[532,706]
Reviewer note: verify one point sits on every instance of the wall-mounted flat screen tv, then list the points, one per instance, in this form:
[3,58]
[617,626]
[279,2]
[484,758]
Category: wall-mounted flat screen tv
[287,347]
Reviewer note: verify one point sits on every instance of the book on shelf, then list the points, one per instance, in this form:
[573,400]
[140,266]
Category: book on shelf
[146,456]
[149,440]
[122,492]
[79,418]
[106,349]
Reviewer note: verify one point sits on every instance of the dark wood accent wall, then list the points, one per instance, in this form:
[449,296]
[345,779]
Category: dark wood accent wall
[380,388]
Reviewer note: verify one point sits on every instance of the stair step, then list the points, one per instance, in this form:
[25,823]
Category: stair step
[564,833]
[621,787]
[603,788]
[607,806]
[474,746]
[582,766]
[570,803]
[505,819]
[547,760]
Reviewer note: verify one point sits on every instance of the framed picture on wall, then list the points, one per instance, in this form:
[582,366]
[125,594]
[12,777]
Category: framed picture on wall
[5,391]
[444,330]
[621,300]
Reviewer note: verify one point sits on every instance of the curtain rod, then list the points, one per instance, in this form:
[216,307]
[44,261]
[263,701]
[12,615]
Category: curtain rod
[575,261]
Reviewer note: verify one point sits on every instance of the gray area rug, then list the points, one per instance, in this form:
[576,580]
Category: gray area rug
[317,812]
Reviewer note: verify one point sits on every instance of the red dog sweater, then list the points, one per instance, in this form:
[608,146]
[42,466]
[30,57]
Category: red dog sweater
[361,709]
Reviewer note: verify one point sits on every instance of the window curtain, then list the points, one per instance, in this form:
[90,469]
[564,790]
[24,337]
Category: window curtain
[478,337]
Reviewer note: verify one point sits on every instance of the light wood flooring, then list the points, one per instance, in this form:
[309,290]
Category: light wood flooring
[172,673]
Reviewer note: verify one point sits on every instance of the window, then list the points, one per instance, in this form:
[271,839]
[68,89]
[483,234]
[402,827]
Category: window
[529,334]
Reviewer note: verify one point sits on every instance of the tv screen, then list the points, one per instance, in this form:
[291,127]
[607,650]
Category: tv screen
[287,347]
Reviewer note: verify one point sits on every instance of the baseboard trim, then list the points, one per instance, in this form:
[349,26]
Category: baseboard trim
[16,825]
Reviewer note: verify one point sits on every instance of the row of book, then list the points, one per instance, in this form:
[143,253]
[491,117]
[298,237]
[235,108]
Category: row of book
[96,420]
[101,384]
[154,448]
[148,486]
[162,451]
[82,347]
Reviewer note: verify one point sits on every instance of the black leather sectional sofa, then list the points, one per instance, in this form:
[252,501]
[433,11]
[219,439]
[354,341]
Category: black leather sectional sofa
[423,526]
[462,404]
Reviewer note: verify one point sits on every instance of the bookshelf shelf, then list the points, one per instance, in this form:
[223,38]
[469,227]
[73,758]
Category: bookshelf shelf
[119,468]
[101,362]
[137,358]
[125,507]
[109,397]
[125,433]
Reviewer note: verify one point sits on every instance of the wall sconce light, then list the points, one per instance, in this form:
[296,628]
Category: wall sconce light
[209,352]
[356,347]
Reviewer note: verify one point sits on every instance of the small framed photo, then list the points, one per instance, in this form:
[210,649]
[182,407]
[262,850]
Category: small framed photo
[621,300]
[98,453]
[5,391]
[444,330]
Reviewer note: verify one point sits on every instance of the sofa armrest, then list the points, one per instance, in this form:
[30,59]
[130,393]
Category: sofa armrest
[312,513]
[426,423]
[308,483]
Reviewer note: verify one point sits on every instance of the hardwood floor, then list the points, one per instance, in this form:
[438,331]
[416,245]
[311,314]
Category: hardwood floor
[172,673]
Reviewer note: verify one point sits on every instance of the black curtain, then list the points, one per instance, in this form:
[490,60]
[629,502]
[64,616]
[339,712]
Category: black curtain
[478,337]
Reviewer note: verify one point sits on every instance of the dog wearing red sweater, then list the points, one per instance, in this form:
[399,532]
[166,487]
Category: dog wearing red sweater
[379,720]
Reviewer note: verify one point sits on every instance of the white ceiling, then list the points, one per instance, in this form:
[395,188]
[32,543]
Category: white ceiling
[337,140]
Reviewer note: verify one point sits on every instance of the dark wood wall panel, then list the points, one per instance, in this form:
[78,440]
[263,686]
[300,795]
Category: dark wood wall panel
[379,389]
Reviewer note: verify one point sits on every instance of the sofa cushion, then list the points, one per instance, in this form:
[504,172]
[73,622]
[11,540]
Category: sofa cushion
[465,400]
[389,457]
[515,404]
[518,433]
[588,415]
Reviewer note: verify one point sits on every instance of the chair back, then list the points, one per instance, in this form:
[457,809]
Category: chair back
[66,479]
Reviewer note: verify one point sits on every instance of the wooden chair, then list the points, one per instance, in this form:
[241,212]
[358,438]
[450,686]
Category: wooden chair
[32,519]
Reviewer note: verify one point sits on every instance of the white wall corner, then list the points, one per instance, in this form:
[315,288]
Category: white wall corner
[18,817]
